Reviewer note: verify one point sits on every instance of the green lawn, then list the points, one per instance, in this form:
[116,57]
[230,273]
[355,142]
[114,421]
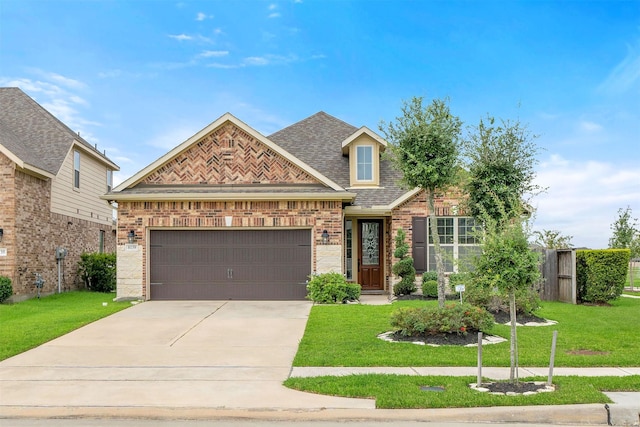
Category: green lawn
[28,324]
[403,391]
[636,278]
[345,335]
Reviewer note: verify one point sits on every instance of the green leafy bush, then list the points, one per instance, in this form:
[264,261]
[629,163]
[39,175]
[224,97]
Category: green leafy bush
[450,319]
[601,274]
[404,267]
[98,271]
[429,275]
[6,290]
[527,300]
[430,288]
[458,279]
[331,288]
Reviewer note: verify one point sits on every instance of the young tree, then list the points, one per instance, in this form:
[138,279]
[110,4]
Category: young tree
[626,234]
[552,239]
[501,160]
[507,263]
[425,147]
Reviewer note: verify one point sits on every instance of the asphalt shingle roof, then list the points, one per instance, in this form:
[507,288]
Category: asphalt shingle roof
[33,134]
[317,141]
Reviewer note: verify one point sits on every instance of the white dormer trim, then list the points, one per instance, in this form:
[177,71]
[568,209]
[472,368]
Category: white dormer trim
[363,131]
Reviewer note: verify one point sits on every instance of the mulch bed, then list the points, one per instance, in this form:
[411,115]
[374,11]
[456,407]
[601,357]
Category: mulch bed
[441,339]
[504,387]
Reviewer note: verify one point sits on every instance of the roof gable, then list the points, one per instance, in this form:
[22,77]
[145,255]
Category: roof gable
[228,155]
[360,132]
[228,151]
[34,137]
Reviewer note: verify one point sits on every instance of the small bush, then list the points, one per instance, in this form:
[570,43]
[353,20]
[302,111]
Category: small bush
[451,319]
[601,274]
[527,300]
[98,271]
[429,275]
[430,288]
[331,288]
[404,267]
[6,290]
[458,279]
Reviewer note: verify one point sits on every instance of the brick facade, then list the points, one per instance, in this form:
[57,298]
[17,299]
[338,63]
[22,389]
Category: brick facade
[142,216]
[229,155]
[32,233]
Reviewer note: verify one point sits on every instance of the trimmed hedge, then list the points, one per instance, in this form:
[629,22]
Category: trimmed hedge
[6,290]
[430,288]
[601,274]
[332,288]
[404,267]
[450,319]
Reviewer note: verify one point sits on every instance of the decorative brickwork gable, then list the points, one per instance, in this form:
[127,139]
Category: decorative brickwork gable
[314,215]
[229,155]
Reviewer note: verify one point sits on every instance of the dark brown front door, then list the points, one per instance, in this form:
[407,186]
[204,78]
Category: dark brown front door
[370,255]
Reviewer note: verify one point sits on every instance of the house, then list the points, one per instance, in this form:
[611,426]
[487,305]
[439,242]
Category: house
[50,208]
[232,214]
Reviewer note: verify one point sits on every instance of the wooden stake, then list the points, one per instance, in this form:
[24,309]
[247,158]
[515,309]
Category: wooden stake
[479,359]
[553,357]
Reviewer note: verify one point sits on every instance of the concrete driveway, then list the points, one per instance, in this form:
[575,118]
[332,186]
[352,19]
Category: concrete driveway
[179,354]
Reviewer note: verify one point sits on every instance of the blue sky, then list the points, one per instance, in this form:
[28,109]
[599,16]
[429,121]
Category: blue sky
[138,78]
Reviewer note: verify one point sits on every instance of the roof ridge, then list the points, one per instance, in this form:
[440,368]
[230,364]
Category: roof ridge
[320,113]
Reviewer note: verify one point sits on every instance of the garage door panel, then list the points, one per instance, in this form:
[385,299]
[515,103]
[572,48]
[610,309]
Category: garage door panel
[229,264]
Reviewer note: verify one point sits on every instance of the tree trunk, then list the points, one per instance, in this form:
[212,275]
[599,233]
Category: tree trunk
[435,237]
[513,375]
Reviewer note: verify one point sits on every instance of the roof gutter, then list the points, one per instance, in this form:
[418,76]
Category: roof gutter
[168,197]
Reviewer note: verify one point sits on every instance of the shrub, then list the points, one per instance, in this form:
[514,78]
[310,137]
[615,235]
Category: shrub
[429,275]
[450,319]
[527,300]
[404,267]
[98,271]
[6,290]
[430,288]
[458,279]
[331,288]
[601,274]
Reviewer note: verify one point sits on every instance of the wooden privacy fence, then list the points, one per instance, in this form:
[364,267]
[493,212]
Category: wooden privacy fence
[559,275]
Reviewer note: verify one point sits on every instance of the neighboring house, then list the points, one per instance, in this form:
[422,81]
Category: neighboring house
[50,183]
[232,214]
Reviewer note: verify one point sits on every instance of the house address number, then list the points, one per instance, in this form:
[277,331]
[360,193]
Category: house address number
[3,251]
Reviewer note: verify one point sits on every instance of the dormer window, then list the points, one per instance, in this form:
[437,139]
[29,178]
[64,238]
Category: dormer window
[364,161]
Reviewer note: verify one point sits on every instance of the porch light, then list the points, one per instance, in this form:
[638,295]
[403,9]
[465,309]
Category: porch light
[1,234]
[132,236]
[325,237]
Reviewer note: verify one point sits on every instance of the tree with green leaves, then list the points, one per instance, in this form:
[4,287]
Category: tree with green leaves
[552,239]
[501,159]
[508,264]
[424,144]
[626,234]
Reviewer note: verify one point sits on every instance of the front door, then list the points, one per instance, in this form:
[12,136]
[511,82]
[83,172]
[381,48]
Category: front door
[370,254]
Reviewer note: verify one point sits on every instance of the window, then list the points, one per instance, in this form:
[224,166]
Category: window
[458,241]
[76,169]
[348,232]
[109,179]
[101,242]
[364,162]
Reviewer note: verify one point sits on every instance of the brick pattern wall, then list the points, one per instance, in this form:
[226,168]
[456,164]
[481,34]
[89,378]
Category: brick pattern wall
[38,232]
[7,215]
[139,216]
[229,156]
[445,204]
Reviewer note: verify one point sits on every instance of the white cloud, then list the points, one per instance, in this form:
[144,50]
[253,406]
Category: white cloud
[202,16]
[626,74]
[213,53]
[170,138]
[256,60]
[224,66]
[590,127]
[273,6]
[180,37]
[583,198]
[110,74]
[274,15]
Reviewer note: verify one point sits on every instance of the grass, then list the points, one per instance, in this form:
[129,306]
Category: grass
[403,391]
[345,335]
[33,322]
[636,278]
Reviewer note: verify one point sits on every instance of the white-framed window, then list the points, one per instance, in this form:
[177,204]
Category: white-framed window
[458,241]
[364,163]
[76,169]
[348,256]
[109,179]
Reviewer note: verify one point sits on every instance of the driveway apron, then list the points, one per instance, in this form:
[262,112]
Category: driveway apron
[171,354]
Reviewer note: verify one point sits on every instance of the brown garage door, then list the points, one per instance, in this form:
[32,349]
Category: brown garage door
[229,264]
